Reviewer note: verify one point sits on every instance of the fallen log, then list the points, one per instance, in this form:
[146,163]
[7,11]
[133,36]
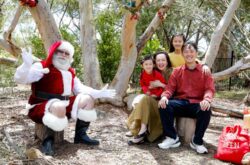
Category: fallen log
[233,112]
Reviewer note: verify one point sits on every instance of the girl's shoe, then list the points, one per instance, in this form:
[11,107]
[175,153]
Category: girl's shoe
[129,134]
[139,139]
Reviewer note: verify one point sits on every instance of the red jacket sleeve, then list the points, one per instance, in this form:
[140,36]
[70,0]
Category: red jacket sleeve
[143,83]
[209,88]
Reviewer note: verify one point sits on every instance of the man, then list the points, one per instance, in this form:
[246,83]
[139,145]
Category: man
[57,94]
[192,91]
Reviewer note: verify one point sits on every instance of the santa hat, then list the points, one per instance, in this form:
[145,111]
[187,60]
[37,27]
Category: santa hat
[62,45]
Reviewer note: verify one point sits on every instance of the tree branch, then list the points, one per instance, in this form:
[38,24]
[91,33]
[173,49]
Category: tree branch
[219,31]
[8,61]
[7,34]
[9,47]
[239,66]
[153,25]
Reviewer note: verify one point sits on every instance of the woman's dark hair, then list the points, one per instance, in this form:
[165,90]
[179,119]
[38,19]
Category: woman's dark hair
[167,57]
[171,46]
[147,57]
[190,44]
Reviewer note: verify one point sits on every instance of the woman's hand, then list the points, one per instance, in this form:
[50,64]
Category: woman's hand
[163,102]
[155,84]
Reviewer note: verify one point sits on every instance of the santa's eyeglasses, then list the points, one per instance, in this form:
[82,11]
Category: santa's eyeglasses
[62,52]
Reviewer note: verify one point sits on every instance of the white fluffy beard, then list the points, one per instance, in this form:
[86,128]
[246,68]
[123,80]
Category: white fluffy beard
[60,63]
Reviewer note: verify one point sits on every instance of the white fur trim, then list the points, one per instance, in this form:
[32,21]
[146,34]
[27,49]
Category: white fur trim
[87,115]
[67,79]
[75,107]
[67,46]
[55,123]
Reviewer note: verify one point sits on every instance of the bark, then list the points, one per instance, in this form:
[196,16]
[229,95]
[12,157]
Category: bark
[219,32]
[10,48]
[185,128]
[239,66]
[7,34]
[41,133]
[92,76]
[128,59]
[45,23]
[8,61]
[227,110]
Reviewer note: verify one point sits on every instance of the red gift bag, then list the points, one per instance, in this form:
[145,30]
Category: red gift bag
[233,144]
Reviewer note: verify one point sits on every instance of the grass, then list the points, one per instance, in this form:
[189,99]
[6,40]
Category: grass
[232,94]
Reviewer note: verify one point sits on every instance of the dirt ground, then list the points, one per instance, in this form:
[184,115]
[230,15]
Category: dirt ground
[17,135]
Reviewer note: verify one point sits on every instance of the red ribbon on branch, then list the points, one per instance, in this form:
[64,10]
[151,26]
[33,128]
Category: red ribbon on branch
[160,15]
[30,3]
[134,16]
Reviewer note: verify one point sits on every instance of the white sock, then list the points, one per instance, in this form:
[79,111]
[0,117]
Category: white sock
[143,129]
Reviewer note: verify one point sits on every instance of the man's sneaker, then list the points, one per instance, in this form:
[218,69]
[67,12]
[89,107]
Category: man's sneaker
[170,143]
[201,149]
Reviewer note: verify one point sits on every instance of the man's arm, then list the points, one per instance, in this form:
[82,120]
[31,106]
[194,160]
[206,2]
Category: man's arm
[208,93]
[209,88]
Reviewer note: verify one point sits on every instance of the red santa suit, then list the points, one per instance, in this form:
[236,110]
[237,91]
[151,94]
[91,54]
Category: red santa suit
[56,85]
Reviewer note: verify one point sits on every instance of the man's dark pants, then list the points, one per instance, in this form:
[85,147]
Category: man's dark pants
[182,108]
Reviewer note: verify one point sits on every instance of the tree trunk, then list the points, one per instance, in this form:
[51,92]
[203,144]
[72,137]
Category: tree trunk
[129,56]
[92,76]
[41,133]
[219,32]
[185,128]
[130,49]
[45,23]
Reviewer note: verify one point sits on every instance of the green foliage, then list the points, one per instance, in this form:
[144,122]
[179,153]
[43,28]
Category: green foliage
[37,47]
[108,48]
[6,76]
[232,95]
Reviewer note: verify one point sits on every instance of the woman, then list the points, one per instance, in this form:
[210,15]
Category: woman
[144,121]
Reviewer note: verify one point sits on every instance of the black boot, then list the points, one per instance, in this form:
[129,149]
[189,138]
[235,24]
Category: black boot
[81,135]
[48,142]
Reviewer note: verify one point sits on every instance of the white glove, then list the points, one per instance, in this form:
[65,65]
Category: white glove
[104,92]
[27,56]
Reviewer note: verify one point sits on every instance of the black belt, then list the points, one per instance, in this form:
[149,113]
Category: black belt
[47,96]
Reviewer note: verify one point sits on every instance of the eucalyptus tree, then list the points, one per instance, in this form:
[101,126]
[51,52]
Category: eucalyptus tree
[133,38]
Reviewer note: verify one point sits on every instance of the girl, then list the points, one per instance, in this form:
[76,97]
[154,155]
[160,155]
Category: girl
[149,74]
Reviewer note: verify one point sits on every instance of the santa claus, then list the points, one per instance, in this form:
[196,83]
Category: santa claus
[57,94]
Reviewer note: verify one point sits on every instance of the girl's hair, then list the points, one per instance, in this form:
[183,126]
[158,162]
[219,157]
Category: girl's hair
[147,57]
[171,46]
[190,45]
[166,55]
